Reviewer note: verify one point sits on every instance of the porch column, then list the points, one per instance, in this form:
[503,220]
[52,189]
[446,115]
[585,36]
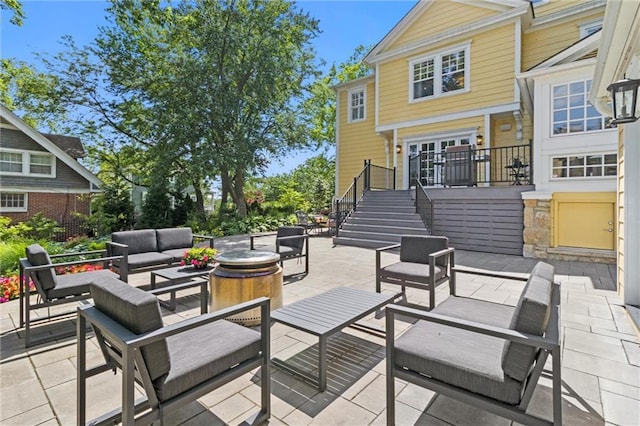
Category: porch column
[395,154]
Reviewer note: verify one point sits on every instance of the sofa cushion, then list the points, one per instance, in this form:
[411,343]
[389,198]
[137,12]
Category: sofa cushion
[174,238]
[220,345]
[139,241]
[530,316]
[416,272]
[417,248]
[38,256]
[76,284]
[177,254]
[143,260]
[458,357]
[137,311]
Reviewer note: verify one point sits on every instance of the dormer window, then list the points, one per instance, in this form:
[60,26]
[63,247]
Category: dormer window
[439,74]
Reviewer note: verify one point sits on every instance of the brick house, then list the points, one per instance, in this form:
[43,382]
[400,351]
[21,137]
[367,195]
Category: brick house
[41,173]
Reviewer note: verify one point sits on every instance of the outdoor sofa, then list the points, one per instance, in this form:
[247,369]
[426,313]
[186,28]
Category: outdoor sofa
[145,248]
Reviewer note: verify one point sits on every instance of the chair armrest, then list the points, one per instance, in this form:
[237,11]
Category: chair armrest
[209,238]
[293,237]
[79,253]
[252,236]
[473,326]
[493,274]
[30,268]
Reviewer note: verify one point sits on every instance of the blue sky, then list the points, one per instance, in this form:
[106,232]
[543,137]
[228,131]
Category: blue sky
[344,25]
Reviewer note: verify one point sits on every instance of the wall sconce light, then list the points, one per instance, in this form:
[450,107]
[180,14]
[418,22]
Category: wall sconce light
[479,139]
[625,96]
[398,149]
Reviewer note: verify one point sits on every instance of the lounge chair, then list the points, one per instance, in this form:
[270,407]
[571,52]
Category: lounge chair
[425,262]
[481,353]
[291,243]
[175,364]
[55,289]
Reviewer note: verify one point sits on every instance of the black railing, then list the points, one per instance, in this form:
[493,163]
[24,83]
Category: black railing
[371,177]
[424,206]
[467,165]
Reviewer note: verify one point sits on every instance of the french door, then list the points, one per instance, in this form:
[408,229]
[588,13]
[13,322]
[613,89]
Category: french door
[429,164]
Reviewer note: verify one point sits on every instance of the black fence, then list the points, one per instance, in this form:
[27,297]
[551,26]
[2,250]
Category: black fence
[467,165]
[73,228]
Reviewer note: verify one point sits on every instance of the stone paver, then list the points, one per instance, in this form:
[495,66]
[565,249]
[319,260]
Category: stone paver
[600,356]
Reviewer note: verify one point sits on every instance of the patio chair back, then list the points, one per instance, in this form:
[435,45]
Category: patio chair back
[45,279]
[290,231]
[417,248]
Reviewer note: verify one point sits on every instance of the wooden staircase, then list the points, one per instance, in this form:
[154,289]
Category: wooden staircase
[380,219]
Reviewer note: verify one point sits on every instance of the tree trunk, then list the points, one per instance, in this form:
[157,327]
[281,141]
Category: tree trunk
[199,199]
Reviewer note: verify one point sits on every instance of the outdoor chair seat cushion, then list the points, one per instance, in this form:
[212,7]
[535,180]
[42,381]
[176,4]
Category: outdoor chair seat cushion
[221,344]
[177,254]
[410,271]
[458,357]
[494,314]
[284,251]
[143,260]
[76,284]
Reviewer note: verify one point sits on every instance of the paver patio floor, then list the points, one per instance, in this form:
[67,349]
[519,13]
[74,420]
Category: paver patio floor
[600,358]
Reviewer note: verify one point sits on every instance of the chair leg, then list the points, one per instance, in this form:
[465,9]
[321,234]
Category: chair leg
[81,386]
[432,296]
[391,394]
[27,321]
[557,387]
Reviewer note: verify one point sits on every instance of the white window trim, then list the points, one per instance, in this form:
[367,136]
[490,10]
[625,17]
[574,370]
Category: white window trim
[358,89]
[588,25]
[552,120]
[437,65]
[16,209]
[585,178]
[26,163]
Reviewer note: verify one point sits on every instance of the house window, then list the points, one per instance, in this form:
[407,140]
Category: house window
[27,163]
[10,162]
[585,166]
[357,100]
[440,74]
[40,164]
[13,202]
[572,112]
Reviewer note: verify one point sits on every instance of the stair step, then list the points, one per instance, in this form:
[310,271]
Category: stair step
[387,208]
[356,242]
[414,222]
[381,229]
[394,238]
[385,215]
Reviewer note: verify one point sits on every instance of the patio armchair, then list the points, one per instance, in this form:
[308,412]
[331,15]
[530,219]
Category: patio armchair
[304,222]
[52,289]
[425,262]
[482,353]
[174,364]
[291,243]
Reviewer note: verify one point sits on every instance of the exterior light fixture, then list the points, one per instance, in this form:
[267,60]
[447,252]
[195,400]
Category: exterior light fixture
[479,139]
[625,96]
[398,148]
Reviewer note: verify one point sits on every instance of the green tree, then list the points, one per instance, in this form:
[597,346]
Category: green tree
[320,107]
[16,7]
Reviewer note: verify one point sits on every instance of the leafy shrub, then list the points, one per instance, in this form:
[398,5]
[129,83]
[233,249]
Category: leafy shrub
[11,251]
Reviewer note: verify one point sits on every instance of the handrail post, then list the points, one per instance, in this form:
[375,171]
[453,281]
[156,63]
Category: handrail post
[337,220]
[394,177]
[355,192]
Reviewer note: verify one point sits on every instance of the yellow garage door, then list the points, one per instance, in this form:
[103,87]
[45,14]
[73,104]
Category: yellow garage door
[586,225]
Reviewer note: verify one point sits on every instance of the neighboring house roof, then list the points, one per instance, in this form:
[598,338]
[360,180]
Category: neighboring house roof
[47,144]
[69,144]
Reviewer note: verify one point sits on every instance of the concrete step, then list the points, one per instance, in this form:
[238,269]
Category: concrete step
[398,229]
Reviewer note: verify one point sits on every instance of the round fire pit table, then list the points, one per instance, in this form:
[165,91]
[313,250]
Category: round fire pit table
[244,275]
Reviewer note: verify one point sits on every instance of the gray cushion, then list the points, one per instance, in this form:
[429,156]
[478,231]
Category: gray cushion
[174,238]
[288,231]
[458,357]
[544,270]
[530,316]
[139,241]
[494,314]
[38,256]
[176,254]
[137,311]
[76,284]
[219,346]
[142,260]
[417,248]
[416,272]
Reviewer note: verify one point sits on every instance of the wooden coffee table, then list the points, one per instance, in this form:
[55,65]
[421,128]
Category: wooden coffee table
[324,315]
[183,275]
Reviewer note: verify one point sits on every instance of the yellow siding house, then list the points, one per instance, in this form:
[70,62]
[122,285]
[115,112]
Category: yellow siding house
[511,78]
